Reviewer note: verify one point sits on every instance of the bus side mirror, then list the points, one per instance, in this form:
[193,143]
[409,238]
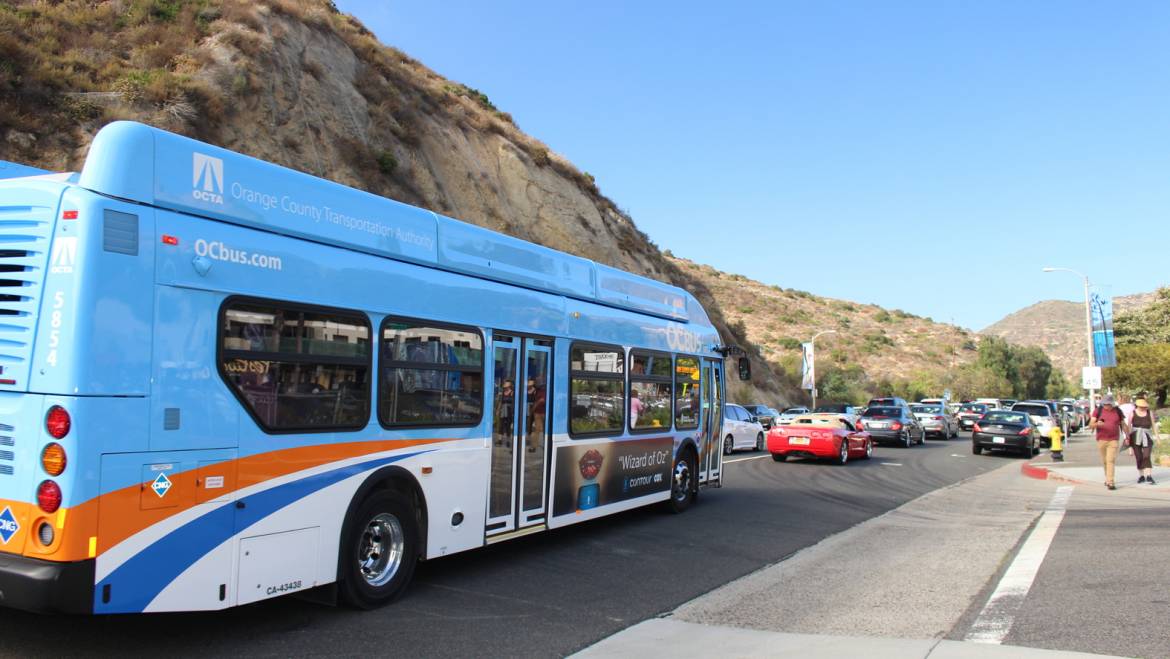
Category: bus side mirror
[745,368]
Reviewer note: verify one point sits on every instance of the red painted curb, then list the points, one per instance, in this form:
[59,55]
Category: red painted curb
[1042,472]
[1035,471]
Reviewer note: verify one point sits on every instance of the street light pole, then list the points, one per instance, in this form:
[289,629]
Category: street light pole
[1088,324]
[813,365]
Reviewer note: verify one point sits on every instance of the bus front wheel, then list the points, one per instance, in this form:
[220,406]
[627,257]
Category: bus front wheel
[379,550]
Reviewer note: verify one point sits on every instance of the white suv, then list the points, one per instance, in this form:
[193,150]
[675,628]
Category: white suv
[741,429]
[1042,417]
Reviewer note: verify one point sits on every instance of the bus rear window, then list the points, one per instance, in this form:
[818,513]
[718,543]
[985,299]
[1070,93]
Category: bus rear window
[297,369]
[430,375]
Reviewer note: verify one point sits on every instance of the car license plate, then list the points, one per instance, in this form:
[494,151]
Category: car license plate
[798,441]
[997,440]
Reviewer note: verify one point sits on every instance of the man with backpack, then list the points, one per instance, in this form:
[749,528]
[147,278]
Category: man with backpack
[1110,425]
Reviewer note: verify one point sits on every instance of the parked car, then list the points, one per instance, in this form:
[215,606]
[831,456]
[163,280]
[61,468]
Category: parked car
[1069,409]
[969,413]
[820,436]
[936,420]
[893,424]
[791,413]
[1042,415]
[844,409]
[1012,431]
[766,415]
[741,429]
[1008,402]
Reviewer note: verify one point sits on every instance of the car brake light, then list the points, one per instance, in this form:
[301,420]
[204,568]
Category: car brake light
[49,496]
[1025,432]
[937,418]
[976,428]
[895,426]
[57,422]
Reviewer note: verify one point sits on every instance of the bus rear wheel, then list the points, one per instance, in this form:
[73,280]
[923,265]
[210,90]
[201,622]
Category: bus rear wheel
[379,551]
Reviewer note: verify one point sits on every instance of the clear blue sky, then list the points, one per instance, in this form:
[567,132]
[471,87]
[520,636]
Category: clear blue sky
[930,156]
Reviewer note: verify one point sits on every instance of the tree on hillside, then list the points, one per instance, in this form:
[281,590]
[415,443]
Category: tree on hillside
[1142,367]
[1034,370]
[1150,324]
[1143,349]
[997,356]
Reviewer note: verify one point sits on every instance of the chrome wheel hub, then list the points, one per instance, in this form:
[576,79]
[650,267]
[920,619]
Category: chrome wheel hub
[381,549]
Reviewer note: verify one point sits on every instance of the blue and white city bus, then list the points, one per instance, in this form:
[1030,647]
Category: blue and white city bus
[222,381]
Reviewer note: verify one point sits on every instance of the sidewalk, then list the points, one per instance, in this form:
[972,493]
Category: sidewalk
[668,636]
[856,593]
[1082,465]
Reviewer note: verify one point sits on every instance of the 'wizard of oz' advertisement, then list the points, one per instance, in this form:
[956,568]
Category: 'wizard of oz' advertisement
[598,474]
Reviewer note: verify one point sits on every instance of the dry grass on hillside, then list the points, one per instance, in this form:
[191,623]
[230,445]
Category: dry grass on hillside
[887,345]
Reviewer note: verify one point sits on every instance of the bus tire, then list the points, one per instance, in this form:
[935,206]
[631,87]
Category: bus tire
[379,550]
[684,482]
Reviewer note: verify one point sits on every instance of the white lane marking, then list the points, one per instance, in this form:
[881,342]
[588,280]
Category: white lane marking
[998,615]
[754,457]
[958,455]
[892,464]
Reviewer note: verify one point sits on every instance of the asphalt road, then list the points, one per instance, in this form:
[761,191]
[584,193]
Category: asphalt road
[552,593]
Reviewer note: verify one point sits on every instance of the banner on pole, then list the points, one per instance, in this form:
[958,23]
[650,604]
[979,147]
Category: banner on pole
[808,376]
[1101,315]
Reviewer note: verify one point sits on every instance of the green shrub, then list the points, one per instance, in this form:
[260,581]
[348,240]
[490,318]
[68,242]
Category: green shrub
[387,163]
[788,343]
[883,316]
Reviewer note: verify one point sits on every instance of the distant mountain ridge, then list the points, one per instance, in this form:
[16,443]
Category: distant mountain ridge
[1058,328]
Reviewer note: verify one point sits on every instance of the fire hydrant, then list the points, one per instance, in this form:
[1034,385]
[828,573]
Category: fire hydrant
[1055,448]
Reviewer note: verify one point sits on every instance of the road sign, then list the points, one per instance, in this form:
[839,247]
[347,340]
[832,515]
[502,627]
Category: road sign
[1091,377]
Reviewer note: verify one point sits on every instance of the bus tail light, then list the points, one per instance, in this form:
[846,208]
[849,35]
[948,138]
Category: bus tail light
[49,496]
[53,459]
[57,422]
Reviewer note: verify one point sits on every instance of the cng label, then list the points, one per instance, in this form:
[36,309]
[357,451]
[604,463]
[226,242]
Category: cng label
[161,485]
[8,525]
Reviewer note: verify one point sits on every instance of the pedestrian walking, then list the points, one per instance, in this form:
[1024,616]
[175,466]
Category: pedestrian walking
[1126,406]
[1109,424]
[1142,438]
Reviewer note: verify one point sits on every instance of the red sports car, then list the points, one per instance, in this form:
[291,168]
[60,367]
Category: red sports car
[819,436]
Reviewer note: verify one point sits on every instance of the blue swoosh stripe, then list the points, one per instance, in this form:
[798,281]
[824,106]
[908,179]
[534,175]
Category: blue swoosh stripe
[135,583]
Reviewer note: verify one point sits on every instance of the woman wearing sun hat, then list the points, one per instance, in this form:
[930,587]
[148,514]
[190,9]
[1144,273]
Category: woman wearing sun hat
[1141,439]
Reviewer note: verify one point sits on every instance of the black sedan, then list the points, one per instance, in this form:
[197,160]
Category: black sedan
[766,415]
[894,425]
[1013,432]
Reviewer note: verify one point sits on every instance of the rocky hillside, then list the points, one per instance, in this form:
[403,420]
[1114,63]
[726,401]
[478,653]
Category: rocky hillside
[297,83]
[1058,328]
[887,345]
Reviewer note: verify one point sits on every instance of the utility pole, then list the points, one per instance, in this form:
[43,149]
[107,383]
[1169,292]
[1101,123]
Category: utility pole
[813,365]
[1090,360]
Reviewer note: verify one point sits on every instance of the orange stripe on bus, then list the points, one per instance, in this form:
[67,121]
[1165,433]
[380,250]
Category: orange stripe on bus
[122,508]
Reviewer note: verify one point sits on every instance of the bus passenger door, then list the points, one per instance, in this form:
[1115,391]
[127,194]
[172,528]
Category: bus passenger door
[708,444]
[518,489]
[715,421]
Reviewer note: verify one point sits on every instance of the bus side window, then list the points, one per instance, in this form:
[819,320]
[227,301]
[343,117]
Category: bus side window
[297,368]
[596,389]
[431,374]
[650,391]
[686,393]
